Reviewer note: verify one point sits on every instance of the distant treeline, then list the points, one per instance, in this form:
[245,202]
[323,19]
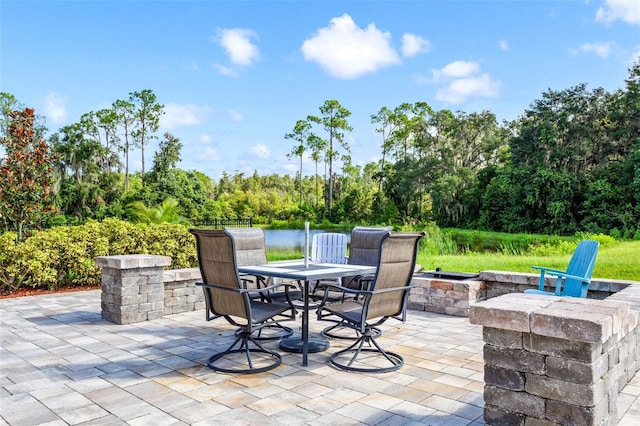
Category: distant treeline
[569,163]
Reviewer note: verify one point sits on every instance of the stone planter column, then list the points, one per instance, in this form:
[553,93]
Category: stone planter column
[132,287]
[556,360]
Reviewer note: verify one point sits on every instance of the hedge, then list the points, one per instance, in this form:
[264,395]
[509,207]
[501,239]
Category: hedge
[64,256]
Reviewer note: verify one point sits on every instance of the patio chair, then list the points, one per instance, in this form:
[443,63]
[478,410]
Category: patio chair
[251,249]
[575,280]
[227,297]
[364,250]
[329,247]
[384,297]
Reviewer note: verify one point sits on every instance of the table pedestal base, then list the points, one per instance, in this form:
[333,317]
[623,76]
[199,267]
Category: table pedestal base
[294,344]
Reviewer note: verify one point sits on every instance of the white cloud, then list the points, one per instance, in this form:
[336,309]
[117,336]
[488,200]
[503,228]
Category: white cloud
[176,115]
[461,89]
[261,151]
[504,46]
[55,108]
[602,49]
[413,45]
[456,69]
[626,10]
[347,51]
[208,154]
[205,139]
[236,116]
[461,80]
[226,71]
[237,43]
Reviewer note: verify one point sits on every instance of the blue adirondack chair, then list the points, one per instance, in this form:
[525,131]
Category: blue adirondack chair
[575,280]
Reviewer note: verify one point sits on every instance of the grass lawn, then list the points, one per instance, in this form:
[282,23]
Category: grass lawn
[621,262]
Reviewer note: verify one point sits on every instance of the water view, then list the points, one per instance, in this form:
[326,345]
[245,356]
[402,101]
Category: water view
[289,238]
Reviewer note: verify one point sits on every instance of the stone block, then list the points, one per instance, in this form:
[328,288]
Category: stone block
[151,287]
[574,371]
[581,351]
[503,378]
[574,415]
[132,318]
[510,311]
[514,359]
[416,306]
[180,308]
[134,281]
[441,285]
[503,338]
[518,402]
[570,393]
[135,299]
[458,312]
[153,315]
[155,297]
[554,321]
[496,416]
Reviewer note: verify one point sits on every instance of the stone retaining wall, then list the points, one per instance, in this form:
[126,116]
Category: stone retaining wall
[453,297]
[136,288]
[180,291]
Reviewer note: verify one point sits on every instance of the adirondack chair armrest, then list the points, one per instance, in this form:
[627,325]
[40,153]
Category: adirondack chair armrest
[543,270]
[561,275]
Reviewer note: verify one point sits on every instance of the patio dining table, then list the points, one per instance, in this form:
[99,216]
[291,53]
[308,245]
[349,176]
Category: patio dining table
[306,272]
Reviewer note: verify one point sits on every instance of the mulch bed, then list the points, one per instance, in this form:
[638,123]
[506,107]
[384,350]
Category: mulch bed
[21,292]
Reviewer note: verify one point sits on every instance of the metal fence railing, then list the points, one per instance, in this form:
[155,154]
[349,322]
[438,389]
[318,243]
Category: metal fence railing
[224,223]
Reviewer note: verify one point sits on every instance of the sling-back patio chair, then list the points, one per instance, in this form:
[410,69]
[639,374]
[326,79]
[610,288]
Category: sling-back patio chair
[251,249]
[364,250]
[384,297]
[227,297]
[576,279]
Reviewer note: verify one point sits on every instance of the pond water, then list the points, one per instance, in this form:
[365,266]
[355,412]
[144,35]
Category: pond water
[289,238]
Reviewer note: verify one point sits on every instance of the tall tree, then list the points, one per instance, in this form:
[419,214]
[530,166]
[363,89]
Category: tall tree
[167,157]
[125,117]
[104,130]
[300,134]
[316,144]
[26,174]
[334,121]
[147,112]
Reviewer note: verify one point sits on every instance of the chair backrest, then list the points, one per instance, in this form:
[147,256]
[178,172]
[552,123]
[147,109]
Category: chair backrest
[250,246]
[398,253]
[365,245]
[581,264]
[217,261]
[329,247]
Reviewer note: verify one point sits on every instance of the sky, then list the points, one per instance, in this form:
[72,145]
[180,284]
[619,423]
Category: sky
[235,76]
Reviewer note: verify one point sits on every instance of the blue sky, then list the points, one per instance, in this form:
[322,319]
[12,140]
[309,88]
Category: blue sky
[235,76]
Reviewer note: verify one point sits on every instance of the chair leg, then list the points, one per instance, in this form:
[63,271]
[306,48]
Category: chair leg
[374,349]
[333,331]
[273,359]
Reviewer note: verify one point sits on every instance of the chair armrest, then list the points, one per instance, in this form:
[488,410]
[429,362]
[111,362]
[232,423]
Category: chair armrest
[245,290]
[573,277]
[550,270]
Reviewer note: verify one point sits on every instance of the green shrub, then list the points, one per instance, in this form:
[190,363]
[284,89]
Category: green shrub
[65,255]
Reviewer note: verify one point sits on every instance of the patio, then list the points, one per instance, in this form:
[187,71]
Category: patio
[61,363]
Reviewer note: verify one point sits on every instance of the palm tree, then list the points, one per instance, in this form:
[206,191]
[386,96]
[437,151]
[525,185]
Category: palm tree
[166,212]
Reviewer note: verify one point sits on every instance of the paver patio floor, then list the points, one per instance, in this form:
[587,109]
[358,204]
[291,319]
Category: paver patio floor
[60,364]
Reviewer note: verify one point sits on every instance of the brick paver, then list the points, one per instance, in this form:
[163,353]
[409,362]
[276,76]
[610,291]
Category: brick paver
[61,363]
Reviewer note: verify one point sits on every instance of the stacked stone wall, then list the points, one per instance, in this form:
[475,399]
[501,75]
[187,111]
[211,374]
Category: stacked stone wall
[553,361]
[132,287]
[180,291]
